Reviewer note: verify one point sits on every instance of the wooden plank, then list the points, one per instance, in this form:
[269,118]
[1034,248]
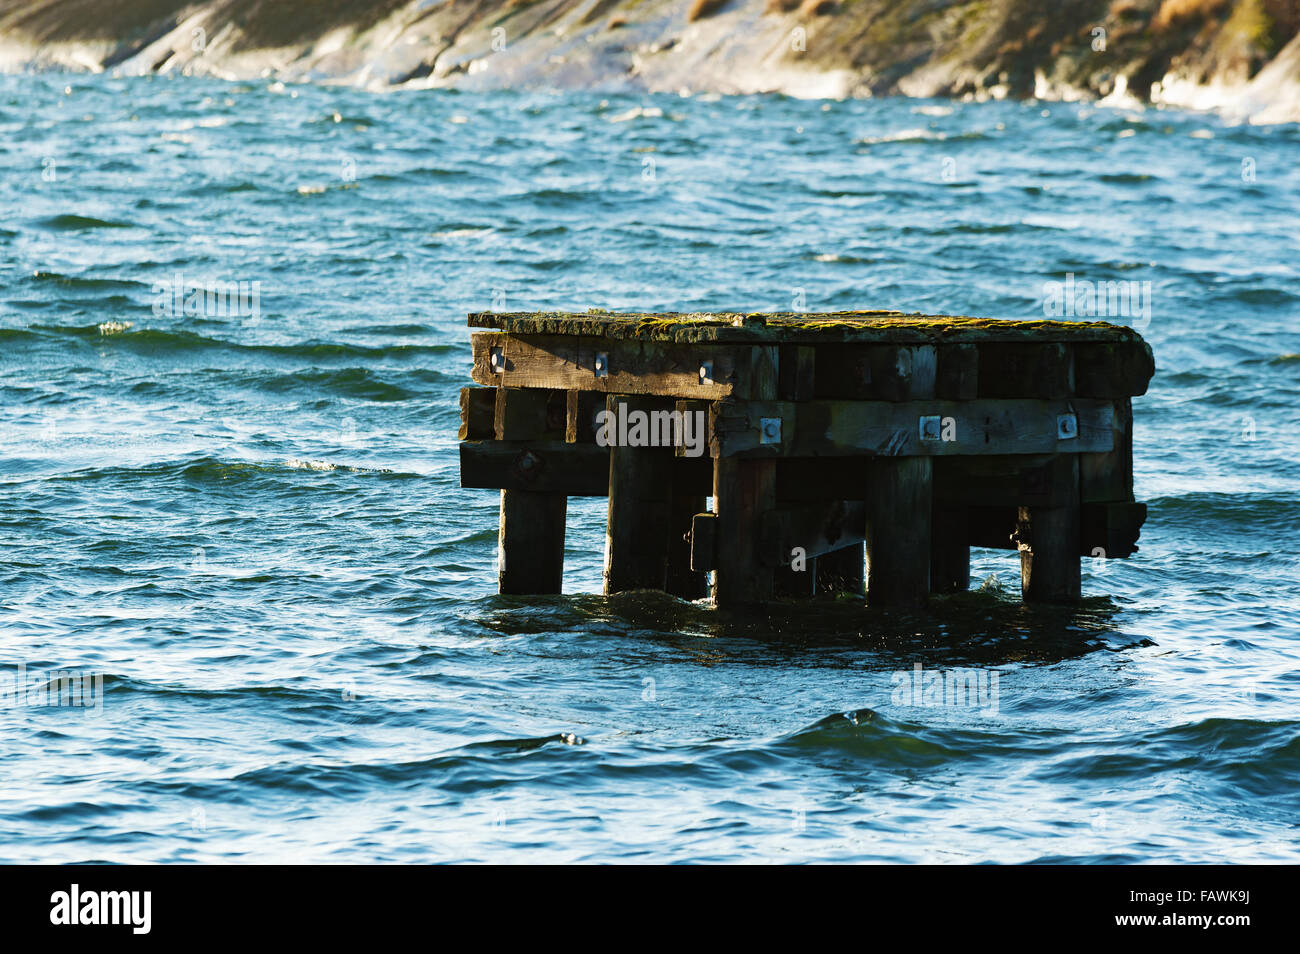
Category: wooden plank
[615,366]
[806,479]
[816,529]
[875,372]
[581,408]
[576,470]
[1048,539]
[1003,480]
[528,414]
[1038,370]
[797,370]
[1113,369]
[477,413]
[882,428]
[640,484]
[957,372]
[1110,531]
[1111,528]
[530,550]
[814,328]
[1108,476]
[573,470]
[898,532]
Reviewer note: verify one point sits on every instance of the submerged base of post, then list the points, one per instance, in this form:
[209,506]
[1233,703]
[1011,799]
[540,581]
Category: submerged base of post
[530,549]
[843,571]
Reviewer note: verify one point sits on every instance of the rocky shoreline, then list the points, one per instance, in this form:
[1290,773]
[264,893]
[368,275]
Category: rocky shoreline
[1240,57]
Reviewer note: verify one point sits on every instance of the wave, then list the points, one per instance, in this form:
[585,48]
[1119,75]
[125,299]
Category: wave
[68,222]
[151,341]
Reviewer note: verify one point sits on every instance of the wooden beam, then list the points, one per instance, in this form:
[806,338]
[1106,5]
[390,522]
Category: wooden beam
[875,372]
[816,529]
[529,414]
[928,428]
[797,370]
[1110,530]
[620,366]
[898,532]
[957,372]
[1108,475]
[1034,370]
[477,413]
[581,408]
[1117,369]
[574,470]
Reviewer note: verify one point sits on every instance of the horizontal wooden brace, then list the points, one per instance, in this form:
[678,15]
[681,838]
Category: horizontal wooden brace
[1106,530]
[477,413]
[575,470]
[620,366]
[910,428]
[816,529]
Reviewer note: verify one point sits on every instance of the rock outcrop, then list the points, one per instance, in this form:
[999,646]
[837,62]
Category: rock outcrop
[1238,56]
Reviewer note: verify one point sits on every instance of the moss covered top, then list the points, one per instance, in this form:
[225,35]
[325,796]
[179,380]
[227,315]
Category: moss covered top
[808,327]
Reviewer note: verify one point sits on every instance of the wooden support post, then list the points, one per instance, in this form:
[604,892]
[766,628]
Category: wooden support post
[742,491]
[1048,540]
[949,550]
[640,484]
[530,548]
[842,571]
[898,531]
[530,554]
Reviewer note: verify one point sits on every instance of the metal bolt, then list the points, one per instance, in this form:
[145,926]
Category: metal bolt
[602,364]
[770,430]
[1067,426]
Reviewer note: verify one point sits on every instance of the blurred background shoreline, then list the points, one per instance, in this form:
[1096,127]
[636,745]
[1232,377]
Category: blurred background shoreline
[1240,58]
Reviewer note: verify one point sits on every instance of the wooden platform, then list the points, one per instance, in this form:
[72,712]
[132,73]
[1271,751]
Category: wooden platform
[838,449]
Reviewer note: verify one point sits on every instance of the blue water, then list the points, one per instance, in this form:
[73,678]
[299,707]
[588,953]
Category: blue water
[250,527]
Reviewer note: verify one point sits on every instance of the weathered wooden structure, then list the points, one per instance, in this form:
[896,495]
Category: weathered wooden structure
[844,451]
